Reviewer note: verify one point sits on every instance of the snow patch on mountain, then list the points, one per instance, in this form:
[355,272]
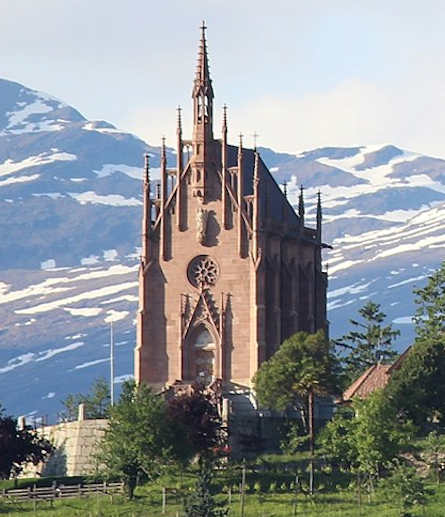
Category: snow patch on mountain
[87,312]
[87,295]
[91,363]
[110,199]
[9,167]
[110,168]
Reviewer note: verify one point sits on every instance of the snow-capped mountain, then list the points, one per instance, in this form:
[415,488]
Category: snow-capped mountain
[70,208]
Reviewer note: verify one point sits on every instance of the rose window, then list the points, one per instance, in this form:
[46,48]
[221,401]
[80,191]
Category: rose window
[202,271]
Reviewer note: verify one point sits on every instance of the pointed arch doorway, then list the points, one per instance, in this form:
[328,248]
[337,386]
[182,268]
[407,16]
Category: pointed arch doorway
[201,352]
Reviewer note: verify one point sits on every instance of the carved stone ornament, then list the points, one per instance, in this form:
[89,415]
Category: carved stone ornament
[201,224]
[202,271]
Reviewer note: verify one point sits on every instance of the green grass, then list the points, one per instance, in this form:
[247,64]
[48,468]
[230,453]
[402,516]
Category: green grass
[148,503]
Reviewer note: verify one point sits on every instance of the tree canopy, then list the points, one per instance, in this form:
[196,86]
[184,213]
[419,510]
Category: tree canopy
[197,423]
[368,343]
[430,313]
[19,446]
[139,438]
[417,387]
[97,402]
[303,363]
[364,438]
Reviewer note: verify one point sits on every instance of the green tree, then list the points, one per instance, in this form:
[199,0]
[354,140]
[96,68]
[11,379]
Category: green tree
[304,366]
[367,439]
[202,503]
[19,446]
[434,453]
[368,343]
[97,402]
[337,440]
[379,435]
[406,488]
[197,424]
[417,388]
[430,313]
[139,438]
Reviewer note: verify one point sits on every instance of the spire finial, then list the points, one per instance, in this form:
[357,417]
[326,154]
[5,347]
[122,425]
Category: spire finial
[319,215]
[147,167]
[255,138]
[301,204]
[256,170]
[203,29]
[225,116]
[179,109]
[285,189]
[202,94]
[241,140]
[202,71]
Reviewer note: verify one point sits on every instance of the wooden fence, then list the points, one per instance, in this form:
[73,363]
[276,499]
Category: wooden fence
[60,491]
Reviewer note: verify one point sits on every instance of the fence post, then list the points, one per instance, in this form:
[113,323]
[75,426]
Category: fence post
[243,488]
[164,499]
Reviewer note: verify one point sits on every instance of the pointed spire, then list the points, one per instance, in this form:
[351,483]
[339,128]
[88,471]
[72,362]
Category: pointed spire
[256,222]
[224,198]
[319,216]
[163,152]
[147,168]
[163,171]
[224,126]
[255,138]
[179,169]
[163,198]
[179,126]
[146,219]
[301,206]
[202,77]
[256,170]
[285,189]
[202,96]
[240,197]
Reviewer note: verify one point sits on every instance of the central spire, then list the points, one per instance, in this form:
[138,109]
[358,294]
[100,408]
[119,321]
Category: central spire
[203,95]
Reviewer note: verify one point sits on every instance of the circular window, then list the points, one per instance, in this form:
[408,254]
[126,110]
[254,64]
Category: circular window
[202,271]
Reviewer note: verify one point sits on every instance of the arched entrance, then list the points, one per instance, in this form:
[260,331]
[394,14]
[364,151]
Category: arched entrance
[202,352]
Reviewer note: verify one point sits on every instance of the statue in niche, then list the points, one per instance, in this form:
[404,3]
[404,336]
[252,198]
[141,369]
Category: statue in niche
[201,224]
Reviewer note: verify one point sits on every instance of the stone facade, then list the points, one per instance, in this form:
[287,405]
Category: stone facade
[228,269]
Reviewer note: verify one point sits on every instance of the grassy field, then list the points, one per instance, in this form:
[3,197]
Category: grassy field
[148,503]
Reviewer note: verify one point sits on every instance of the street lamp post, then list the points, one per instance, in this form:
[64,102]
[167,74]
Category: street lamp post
[111,364]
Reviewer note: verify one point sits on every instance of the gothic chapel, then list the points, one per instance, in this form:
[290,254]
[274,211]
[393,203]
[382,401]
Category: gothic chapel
[228,269]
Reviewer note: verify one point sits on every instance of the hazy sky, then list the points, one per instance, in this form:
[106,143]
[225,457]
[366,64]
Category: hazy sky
[301,74]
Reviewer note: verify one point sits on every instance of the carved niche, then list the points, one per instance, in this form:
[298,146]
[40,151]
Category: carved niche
[202,216]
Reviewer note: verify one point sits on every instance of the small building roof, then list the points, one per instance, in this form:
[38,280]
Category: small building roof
[375,377]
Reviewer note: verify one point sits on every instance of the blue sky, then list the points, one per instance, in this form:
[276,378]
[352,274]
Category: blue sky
[301,74]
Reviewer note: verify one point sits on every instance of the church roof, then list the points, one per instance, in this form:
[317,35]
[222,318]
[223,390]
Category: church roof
[275,204]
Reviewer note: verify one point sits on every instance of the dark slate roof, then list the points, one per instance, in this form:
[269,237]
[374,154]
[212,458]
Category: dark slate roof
[278,207]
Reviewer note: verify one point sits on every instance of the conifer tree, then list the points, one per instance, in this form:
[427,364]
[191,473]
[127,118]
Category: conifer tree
[430,314]
[202,503]
[369,343]
[418,386]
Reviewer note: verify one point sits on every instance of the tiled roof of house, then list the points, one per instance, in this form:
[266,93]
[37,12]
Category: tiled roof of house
[375,377]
